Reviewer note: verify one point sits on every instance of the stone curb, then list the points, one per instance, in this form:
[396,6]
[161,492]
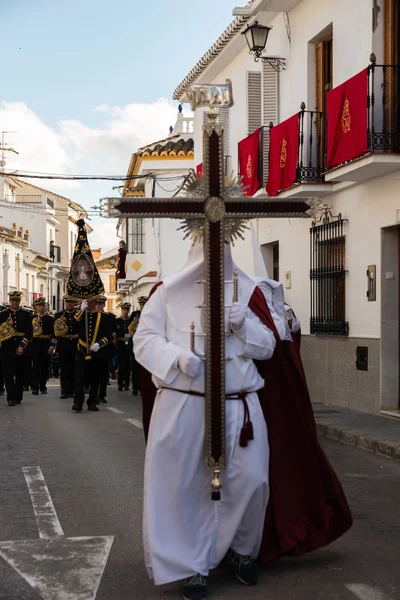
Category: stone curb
[361,440]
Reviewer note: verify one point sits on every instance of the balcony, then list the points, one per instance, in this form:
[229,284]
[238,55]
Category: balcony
[383,130]
[309,180]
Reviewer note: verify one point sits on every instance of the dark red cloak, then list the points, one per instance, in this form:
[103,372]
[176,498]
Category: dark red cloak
[307,507]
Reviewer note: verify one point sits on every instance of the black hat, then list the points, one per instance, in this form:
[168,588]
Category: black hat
[143,299]
[15,295]
[66,298]
[126,305]
[39,301]
[102,300]
[84,282]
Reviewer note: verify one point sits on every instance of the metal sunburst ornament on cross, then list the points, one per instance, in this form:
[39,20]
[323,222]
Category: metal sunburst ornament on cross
[213,209]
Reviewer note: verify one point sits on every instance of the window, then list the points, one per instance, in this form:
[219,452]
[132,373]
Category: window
[113,284]
[17,272]
[391,89]
[41,289]
[135,236]
[33,283]
[323,83]
[50,203]
[254,102]
[328,279]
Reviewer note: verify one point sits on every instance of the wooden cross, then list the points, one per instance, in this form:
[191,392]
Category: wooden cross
[214,208]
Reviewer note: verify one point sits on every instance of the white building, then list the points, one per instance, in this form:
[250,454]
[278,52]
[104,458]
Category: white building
[325,43]
[154,249]
[107,265]
[38,217]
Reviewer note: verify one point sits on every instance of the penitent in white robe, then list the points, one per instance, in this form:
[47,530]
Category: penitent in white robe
[185,532]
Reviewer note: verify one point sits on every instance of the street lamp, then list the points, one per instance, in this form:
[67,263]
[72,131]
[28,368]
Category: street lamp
[256,37]
[113,260]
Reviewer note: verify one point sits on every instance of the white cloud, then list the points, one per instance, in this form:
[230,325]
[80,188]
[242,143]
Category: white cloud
[104,236]
[72,147]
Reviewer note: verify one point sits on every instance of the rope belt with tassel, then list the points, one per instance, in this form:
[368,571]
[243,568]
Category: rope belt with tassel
[246,433]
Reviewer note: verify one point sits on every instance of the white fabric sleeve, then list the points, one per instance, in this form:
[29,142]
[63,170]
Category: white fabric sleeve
[152,350]
[259,341]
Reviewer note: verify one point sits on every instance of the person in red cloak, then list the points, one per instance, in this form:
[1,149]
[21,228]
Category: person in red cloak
[307,507]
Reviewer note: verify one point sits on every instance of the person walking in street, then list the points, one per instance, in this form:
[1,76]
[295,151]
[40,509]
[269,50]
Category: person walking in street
[42,346]
[15,335]
[66,333]
[92,354]
[124,347]
[105,369]
[134,364]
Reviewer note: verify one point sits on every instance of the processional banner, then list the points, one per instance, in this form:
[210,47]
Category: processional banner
[248,162]
[347,116]
[283,155]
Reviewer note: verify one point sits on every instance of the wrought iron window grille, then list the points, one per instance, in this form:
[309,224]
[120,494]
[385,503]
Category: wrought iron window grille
[328,275]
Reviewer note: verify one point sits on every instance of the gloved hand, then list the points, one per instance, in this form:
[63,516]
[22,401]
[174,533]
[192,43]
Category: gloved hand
[237,315]
[84,305]
[189,363]
[95,346]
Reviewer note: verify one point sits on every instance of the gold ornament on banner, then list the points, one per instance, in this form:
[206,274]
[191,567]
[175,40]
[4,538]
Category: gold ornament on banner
[37,327]
[60,327]
[7,330]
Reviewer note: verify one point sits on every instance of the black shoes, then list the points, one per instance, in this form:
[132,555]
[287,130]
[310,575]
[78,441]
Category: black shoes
[120,388]
[64,396]
[35,392]
[195,588]
[93,408]
[126,388]
[11,403]
[245,566]
[135,392]
[43,391]
[103,401]
[77,408]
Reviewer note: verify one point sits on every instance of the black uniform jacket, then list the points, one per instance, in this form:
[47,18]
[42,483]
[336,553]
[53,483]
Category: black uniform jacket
[22,325]
[99,331]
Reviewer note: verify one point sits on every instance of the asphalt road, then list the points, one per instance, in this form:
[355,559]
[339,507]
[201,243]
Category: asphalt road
[71,503]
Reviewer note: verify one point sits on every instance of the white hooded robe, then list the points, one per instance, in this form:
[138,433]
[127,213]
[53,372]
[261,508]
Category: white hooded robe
[185,532]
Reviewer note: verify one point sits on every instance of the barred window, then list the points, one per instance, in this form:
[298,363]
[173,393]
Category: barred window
[328,279]
[135,236]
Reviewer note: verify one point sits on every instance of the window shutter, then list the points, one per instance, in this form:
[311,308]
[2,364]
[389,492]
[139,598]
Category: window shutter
[389,54]
[270,113]
[319,77]
[113,285]
[254,102]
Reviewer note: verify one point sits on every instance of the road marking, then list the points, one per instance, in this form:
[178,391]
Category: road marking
[136,423]
[54,565]
[115,410]
[366,592]
[46,517]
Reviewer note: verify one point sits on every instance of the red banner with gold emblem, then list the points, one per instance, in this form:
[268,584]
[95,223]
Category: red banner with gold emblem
[283,155]
[248,162]
[347,117]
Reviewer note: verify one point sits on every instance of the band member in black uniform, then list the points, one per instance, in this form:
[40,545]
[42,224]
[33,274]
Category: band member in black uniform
[42,346]
[90,358]
[124,347]
[135,365]
[105,369]
[66,334]
[15,335]
[2,388]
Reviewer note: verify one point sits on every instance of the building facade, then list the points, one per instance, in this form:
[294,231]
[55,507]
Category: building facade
[154,247]
[341,275]
[42,228]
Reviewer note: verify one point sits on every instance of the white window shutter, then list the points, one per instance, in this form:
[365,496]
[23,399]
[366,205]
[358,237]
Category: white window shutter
[270,111]
[254,101]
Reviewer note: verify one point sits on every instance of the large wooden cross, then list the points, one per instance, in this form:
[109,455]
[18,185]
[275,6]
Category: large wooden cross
[214,208]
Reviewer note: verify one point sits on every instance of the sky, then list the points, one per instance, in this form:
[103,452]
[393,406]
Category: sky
[84,83]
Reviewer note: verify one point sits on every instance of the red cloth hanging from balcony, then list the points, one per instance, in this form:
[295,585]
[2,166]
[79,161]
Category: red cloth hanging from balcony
[347,116]
[283,155]
[249,149]
[199,170]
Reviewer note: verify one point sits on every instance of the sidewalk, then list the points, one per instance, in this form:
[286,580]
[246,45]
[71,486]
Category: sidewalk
[372,433]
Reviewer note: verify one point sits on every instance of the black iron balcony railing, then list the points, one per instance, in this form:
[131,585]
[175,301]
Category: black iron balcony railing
[383,107]
[311,148]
